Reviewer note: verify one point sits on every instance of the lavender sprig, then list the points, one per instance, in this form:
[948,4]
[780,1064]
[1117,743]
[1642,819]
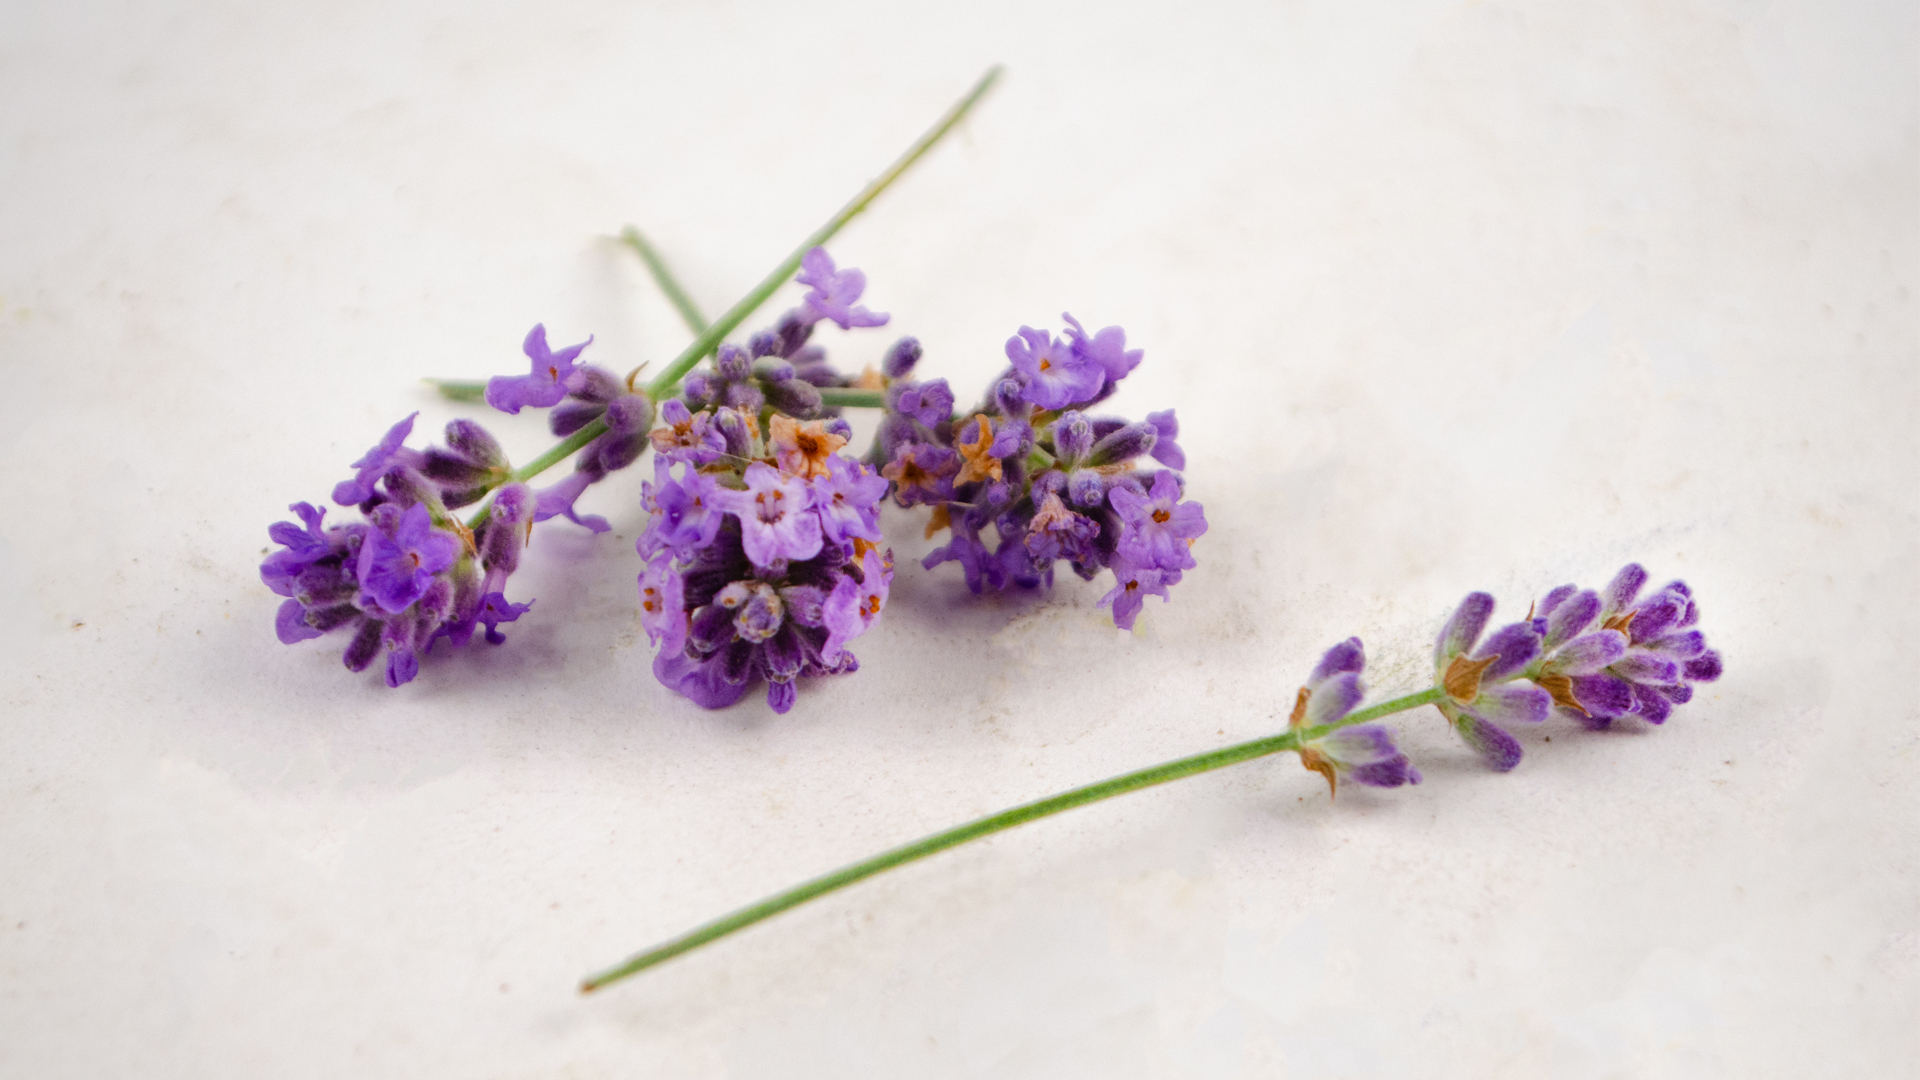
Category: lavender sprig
[1337,739]
[412,573]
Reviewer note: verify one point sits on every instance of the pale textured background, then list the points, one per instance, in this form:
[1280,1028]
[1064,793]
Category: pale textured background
[1448,295]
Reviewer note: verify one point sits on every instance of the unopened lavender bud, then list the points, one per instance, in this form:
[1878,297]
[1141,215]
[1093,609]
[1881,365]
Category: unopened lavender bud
[764,343]
[900,359]
[507,522]
[745,397]
[1072,439]
[629,414]
[697,390]
[1124,445]
[614,451]
[1008,396]
[794,332]
[839,426]
[732,363]
[772,370]
[451,470]
[733,428]
[364,646]
[1086,487]
[476,444]
[794,397]
[570,416]
[598,384]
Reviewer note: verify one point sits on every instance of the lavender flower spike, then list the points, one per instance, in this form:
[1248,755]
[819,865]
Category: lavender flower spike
[1363,754]
[553,375]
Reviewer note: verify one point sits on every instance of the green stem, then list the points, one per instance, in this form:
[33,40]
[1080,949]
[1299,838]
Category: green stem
[548,460]
[458,389]
[664,278]
[1006,819]
[849,398]
[735,315]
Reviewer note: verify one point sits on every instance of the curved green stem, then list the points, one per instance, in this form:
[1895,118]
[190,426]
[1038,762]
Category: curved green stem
[1152,776]
[735,315]
[663,277]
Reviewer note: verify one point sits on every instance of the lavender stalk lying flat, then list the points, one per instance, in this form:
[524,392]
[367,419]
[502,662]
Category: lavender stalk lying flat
[1596,657]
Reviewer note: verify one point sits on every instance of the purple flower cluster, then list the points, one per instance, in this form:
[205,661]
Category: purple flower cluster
[1051,481]
[1614,654]
[409,572]
[763,550]
[1362,753]
[762,560]
[1596,657]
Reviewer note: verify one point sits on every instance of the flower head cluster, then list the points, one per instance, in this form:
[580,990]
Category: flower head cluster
[1362,753]
[1049,480]
[762,546]
[1613,654]
[1597,657]
[409,572]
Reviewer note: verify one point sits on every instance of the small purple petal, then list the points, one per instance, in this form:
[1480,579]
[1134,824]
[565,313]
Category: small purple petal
[1512,703]
[1498,749]
[1586,655]
[291,623]
[1515,645]
[1463,627]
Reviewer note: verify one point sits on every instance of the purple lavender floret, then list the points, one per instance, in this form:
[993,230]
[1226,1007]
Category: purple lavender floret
[1614,654]
[1055,376]
[1479,684]
[551,377]
[834,293]
[374,464]
[1107,348]
[1158,529]
[1364,754]
[402,556]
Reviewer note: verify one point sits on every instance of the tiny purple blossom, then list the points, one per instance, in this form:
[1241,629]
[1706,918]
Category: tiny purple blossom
[1159,528]
[374,464]
[852,607]
[663,604]
[685,513]
[557,501]
[1133,583]
[495,609]
[1165,450]
[1108,348]
[553,374]
[399,560]
[834,293]
[702,682]
[776,518]
[1056,376]
[848,500]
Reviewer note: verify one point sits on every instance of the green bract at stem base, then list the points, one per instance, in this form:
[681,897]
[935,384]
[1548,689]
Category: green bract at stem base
[1151,776]
[708,339]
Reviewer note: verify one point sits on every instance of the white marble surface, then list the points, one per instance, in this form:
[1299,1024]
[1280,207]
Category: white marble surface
[1448,295]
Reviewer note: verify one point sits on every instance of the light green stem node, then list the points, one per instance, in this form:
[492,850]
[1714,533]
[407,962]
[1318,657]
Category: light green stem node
[1152,776]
